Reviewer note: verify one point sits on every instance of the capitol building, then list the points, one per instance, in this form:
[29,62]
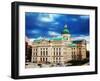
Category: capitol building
[58,49]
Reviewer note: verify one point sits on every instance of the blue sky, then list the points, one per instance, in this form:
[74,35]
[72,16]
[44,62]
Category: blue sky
[46,25]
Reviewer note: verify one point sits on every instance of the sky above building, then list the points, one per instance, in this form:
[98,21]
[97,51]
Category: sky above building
[47,25]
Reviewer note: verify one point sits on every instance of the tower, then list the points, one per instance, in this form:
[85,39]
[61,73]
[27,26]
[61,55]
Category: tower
[65,34]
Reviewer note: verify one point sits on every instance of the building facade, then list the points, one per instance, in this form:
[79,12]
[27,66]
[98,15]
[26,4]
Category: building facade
[58,49]
[28,50]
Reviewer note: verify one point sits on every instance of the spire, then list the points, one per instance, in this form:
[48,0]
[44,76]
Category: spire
[65,26]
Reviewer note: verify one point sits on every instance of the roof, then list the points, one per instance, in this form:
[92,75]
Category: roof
[37,41]
[51,39]
[72,45]
[78,41]
[58,39]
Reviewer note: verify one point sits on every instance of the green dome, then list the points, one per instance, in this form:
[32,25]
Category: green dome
[65,30]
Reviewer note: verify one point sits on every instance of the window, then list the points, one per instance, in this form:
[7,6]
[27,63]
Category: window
[40,59]
[46,48]
[36,54]
[46,53]
[41,53]
[59,49]
[41,48]
[59,58]
[46,59]
[33,54]
[33,49]
[57,53]
[54,53]
[56,58]
[43,59]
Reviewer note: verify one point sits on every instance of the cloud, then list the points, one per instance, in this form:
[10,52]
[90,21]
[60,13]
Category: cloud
[38,38]
[35,31]
[45,18]
[32,39]
[84,17]
[81,37]
[56,23]
[74,19]
[52,33]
